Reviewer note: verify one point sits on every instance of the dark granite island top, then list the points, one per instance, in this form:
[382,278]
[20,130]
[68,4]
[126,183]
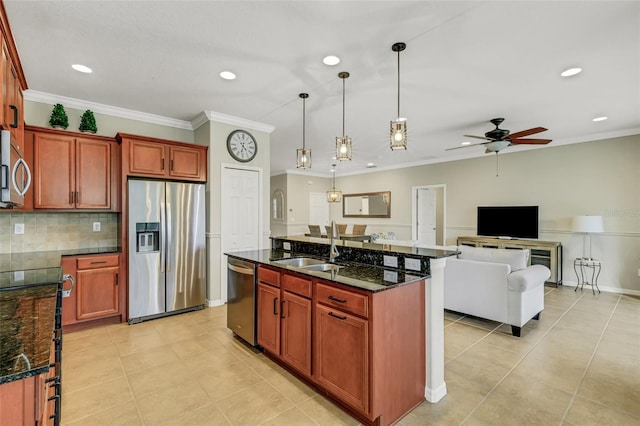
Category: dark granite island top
[358,275]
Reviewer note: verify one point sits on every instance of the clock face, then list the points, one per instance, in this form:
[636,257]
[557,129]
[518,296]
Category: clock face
[242,146]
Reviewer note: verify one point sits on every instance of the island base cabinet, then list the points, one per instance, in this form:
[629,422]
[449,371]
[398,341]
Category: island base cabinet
[269,318]
[341,356]
[295,345]
[17,402]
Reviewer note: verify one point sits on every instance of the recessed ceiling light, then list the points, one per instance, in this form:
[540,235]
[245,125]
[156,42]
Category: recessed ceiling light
[331,60]
[571,71]
[601,118]
[228,75]
[332,170]
[465,143]
[370,165]
[82,68]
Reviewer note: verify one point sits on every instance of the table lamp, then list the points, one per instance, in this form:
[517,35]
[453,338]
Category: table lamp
[587,225]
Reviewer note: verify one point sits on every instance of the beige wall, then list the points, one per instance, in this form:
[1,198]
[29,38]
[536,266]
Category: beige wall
[594,178]
[38,114]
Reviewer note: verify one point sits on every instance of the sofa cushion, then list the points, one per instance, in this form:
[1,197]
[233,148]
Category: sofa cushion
[516,259]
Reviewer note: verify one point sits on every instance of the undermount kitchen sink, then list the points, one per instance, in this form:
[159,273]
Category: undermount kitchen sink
[322,267]
[309,263]
[300,262]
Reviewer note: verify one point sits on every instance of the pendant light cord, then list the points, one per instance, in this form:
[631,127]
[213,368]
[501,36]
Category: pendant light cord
[398,84]
[303,120]
[343,83]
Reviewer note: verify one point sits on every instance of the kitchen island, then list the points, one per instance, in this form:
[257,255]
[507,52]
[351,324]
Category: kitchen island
[356,331]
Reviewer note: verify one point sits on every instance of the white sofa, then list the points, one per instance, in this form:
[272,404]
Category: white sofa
[495,284]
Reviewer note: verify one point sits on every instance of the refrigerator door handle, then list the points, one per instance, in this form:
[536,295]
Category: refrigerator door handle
[163,237]
[169,237]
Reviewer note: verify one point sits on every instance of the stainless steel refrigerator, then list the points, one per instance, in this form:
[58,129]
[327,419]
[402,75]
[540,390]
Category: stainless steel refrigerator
[167,249]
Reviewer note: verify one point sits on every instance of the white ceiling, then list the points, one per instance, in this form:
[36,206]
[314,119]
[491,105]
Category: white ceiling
[465,63]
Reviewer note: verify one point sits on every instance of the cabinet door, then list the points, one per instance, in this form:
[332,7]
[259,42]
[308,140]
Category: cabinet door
[97,293]
[296,332]
[268,318]
[93,174]
[341,356]
[186,162]
[146,158]
[54,174]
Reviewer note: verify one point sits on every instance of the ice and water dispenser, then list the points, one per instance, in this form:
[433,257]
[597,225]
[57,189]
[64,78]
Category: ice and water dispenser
[148,237]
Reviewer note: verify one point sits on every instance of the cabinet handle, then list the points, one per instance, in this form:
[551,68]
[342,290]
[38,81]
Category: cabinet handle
[331,314]
[163,164]
[171,165]
[15,116]
[335,299]
[71,197]
[77,197]
[282,310]
[97,262]
[117,278]
[275,306]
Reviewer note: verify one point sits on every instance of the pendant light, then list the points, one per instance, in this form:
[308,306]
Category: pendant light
[303,155]
[398,134]
[343,143]
[334,196]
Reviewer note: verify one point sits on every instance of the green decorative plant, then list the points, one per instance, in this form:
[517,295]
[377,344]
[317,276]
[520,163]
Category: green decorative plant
[88,122]
[59,117]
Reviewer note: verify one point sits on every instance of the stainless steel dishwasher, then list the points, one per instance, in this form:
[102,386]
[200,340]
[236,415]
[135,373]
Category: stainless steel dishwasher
[241,299]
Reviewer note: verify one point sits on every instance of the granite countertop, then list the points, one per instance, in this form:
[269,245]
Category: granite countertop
[27,322]
[358,275]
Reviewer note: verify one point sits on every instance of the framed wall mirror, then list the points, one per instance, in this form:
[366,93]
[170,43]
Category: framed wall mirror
[277,205]
[368,204]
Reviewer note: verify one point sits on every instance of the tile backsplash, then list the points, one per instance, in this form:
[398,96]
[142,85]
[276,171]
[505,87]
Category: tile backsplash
[57,231]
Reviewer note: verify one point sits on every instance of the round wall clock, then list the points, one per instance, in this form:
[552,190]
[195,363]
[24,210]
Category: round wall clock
[242,146]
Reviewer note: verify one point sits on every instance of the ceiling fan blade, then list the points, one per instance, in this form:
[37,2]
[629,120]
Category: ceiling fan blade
[527,132]
[478,137]
[530,141]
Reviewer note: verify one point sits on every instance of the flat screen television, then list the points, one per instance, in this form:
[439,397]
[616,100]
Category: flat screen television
[508,221]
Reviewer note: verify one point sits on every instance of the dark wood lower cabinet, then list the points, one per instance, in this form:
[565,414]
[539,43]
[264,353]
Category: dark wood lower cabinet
[364,350]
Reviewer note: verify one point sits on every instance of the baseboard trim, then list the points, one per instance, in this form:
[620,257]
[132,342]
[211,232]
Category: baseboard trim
[607,289]
[214,303]
[435,395]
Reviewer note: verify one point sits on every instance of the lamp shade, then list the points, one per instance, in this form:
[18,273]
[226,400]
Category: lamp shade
[590,224]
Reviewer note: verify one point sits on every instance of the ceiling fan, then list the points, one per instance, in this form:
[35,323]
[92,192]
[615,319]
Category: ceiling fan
[498,139]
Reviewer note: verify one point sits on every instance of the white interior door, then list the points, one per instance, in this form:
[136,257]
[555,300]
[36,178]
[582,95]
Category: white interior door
[240,209]
[318,209]
[426,216]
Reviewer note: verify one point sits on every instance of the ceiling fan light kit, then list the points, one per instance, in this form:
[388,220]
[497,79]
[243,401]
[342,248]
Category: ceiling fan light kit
[303,155]
[343,143]
[398,132]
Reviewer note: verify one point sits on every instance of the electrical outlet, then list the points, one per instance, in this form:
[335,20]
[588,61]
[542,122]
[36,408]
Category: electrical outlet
[18,275]
[96,226]
[286,245]
[391,276]
[411,264]
[391,261]
[19,229]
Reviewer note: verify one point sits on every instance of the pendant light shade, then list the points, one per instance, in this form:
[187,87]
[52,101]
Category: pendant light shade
[303,155]
[343,143]
[398,133]
[333,195]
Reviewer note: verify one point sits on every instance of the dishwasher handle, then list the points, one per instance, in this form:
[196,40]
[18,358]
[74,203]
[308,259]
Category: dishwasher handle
[240,269]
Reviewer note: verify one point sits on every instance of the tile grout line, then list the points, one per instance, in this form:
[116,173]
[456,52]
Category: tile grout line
[593,354]
[519,361]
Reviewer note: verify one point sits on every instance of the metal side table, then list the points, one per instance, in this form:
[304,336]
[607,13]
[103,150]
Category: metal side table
[582,267]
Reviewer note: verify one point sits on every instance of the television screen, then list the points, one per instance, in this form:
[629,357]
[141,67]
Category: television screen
[508,221]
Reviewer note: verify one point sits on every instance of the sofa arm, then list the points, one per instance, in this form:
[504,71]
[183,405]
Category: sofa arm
[528,278]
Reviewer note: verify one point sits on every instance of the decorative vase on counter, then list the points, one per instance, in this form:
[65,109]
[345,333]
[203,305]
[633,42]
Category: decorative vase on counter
[59,119]
[88,122]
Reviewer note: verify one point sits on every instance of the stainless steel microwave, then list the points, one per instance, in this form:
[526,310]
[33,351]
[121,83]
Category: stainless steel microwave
[15,176]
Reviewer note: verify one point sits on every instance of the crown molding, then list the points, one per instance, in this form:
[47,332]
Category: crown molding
[232,120]
[47,98]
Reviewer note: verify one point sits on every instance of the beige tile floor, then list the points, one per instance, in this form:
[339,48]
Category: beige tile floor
[578,365]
